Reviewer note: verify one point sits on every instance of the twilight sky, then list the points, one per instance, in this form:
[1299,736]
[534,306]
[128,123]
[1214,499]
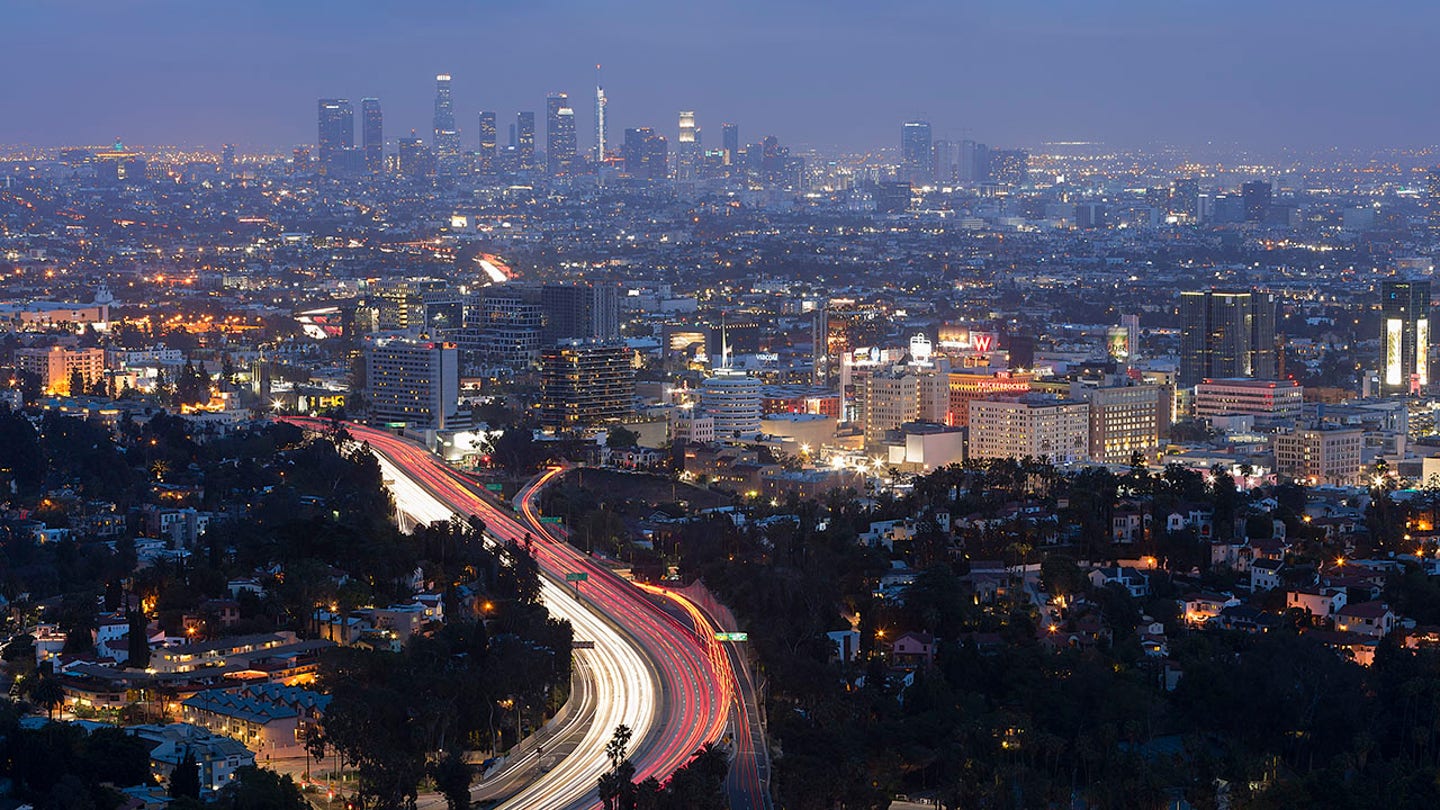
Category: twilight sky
[1260,73]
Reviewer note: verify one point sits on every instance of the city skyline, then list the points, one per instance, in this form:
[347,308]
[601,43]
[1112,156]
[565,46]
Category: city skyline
[1118,72]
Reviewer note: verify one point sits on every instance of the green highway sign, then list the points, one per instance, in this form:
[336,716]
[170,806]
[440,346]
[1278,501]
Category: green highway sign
[495,487]
[550,519]
[578,576]
[732,636]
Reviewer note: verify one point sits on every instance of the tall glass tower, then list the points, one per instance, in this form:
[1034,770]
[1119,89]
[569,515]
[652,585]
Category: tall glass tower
[487,140]
[559,135]
[373,135]
[336,128]
[1405,308]
[687,148]
[917,157]
[525,139]
[447,138]
[601,139]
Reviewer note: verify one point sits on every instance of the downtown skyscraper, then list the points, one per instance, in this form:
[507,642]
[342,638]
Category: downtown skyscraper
[525,139]
[917,156]
[336,125]
[687,148]
[730,143]
[446,140]
[488,140]
[602,140]
[372,135]
[559,135]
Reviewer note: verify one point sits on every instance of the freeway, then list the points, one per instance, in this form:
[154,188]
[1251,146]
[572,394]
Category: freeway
[745,784]
[650,671]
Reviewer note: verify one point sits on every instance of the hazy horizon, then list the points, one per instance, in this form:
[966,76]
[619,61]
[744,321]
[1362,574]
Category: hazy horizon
[827,74]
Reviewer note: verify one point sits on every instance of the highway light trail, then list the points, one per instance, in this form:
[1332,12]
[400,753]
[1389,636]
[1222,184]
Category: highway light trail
[652,673]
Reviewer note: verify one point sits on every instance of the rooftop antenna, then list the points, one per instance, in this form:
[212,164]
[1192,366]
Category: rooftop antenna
[724,345]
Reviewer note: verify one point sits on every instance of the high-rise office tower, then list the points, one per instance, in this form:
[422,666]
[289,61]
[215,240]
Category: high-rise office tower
[337,129]
[944,162]
[487,140]
[916,153]
[730,143]
[525,139]
[1405,310]
[415,382]
[1226,335]
[227,157]
[580,311]
[447,137]
[974,162]
[601,133]
[372,135]
[414,159]
[559,135]
[645,153]
[687,148]
[1256,195]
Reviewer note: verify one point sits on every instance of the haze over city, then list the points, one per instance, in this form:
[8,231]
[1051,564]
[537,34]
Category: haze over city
[1259,76]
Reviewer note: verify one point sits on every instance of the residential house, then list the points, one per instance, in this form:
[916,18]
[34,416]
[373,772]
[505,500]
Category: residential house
[1322,603]
[1265,575]
[913,648]
[1201,607]
[1134,581]
[1367,618]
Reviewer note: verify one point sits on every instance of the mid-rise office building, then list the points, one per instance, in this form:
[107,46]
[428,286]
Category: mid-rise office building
[1034,425]
[585,383]
[885,400]
[415,382]
[1319,456]
[1125,420]
[1405,315]
[1269,401]
[1226,334]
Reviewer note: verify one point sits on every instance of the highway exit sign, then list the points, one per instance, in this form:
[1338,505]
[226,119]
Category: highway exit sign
[549,518]
[495,487]
[732,636]
[577,576]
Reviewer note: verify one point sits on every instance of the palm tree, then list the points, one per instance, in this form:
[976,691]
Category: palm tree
[48,692]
